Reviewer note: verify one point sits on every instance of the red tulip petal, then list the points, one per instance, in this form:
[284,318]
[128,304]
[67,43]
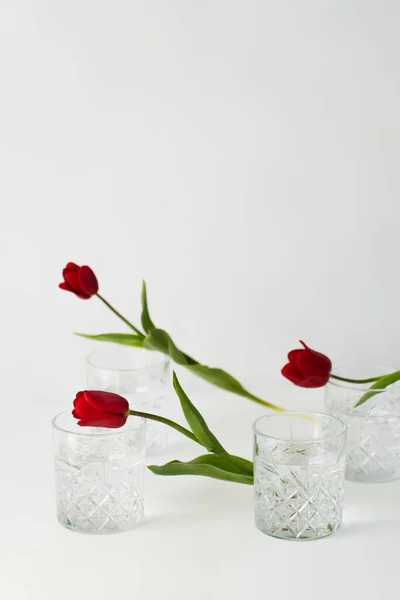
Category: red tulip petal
[106,420]
[312,363]
[326,360]
[87,281]
[64,286]
[82,409]
[80,404]
[79,411]
[87,414]
[78,396]
[323,357]
[291,372]
[78,414]
[71,278]
[106,401]
[71,267]
[293,354]
[314,382]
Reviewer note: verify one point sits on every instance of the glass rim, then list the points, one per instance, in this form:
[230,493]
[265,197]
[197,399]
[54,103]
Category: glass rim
[310,414]
[356,387]
[140,423]
[359,387]
[164,360]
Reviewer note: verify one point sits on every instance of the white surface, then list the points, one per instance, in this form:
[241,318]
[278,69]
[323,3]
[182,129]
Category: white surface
[198,540]
[243,158]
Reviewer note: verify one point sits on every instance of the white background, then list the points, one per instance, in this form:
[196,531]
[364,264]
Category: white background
[242,157]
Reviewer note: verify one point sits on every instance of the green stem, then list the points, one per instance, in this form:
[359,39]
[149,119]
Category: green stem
[264,402]
[221,451]
[168,422]
[347,380]
[114,310]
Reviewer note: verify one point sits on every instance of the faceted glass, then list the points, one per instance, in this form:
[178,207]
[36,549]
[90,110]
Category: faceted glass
[99,475]
[142,377]
[299,463]
[373,436]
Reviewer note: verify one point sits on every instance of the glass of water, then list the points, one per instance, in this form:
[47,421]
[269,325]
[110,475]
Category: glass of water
[99,475]
[373,428]
[299,466]
[142,377]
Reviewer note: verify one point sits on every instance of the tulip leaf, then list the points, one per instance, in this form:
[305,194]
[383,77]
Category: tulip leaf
[204,435]
[219,378]
[228,462]
[379,386]
[196,421]
[126,339]
[208,465]
[160,340]
[146,320]
[243,464]
[223,380]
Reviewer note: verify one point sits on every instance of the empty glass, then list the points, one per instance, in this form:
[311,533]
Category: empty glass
[142,377]
[299,464]
[99,475]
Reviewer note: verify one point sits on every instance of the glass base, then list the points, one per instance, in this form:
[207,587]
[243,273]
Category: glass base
[307,535]
[106,528]
[360,476]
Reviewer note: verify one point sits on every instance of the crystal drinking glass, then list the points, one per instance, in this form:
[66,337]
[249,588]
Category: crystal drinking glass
[299,463]
[373,428]
[99,475]
[142,377]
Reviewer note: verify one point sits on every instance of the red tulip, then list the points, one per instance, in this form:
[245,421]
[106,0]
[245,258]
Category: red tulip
[307,368]
[100,409]
[79,280]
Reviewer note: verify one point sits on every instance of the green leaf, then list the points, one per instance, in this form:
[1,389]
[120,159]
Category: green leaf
[160,340]
[207,466]
[219,378]
[227,462]
[222,379]
[146,320]
[126,339]
[379,386]
[244,464]
[196,421]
